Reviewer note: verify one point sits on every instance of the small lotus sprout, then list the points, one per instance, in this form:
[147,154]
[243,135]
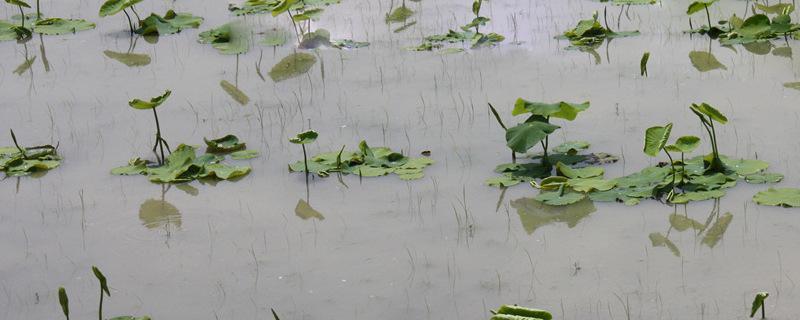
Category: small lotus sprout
[655,141]
[64,301]
[302,139]
[103,289]
[758,303]
[112,7]
[708,115]
[153,104]
[684,145]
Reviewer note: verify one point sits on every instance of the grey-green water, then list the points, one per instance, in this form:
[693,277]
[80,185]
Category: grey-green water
[437,248]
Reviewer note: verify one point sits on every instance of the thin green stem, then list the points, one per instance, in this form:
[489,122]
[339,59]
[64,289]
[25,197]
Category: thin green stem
[22,16]
[130,23]
[513,157]
[305,162]
[21,150]
[159,140]
[100,309]
[672,164]
[708,16]
[38,13]
[714,139]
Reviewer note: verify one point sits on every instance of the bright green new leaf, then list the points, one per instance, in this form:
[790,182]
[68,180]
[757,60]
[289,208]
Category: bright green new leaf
[784,197]
[526,135]
[698,6]
[63,300]
[562,110]
[18,3]
[709,111]
[283,6]
[305,137]
[100,277]
[758,302]
[655,139]
[112,7]
[153,103]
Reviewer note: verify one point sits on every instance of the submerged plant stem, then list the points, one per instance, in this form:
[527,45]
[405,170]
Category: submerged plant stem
[130,23]
[38,13]
[22,16]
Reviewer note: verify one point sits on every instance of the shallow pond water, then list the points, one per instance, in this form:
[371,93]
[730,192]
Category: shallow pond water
[444,247]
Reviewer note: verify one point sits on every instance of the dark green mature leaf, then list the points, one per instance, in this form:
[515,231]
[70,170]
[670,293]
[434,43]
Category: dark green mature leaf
[183,165]
[745,167]
[52,26]
[755,27]
[758,302]
[18,3]
[170,23]
[698,6]
[230,38]
[709,111]
[705,61]
[534,214]
[562,110]
[102,278]
[153,103]
[228,143]
[292,66]
[526,135]
[129,59]
[305,137]
[784,197]
[655,139]
[305,211]
[112,7]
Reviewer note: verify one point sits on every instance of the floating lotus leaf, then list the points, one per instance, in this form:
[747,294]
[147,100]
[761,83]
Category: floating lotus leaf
[784,197]
[571,147]
[244,155]
[230,38]
[226,144]
[170,23]
[765,177]
[52,26]
[591,184]
[556,198]
[587,172]
[697,196]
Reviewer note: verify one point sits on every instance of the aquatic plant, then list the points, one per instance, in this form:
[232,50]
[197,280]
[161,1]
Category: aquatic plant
[10,31]
[19,161]
[63,300]
[654,142]
[783,197]
[469,33]
[698,6]
[590,32]
[170,23]
[643,64]
[153,103]
[707,115]
[758,28]
[514,312]
[366,162]
[112,7]
[184,165]
[230,38]
[303,139]
[61,26]
[291,66]
[758,303]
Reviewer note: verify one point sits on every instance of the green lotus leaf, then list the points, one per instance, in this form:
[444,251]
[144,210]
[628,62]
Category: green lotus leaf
[102,279]
[136,166]
[129,59]
[656,138]
[745,167]
[777,8]
[18,3]
[550,183]
[755,27]
[687,144]
[717,230]
[556,198]
[112,7]
[244,155]
[784,197]
[765,177]
[226,172]
[230,38]
[292,66]
[61,26]
[571,147]
[305,137]
[562,110]
[502,181]
[697,196]
[591,184]
[253,7]
[758,301]
[348,44]
[283,6]
[586,172]
[275,37]
[153,103]
[698,6]
[659,240]
[226,144]
[170,23]
[7,31]
[526,135]
[705,61]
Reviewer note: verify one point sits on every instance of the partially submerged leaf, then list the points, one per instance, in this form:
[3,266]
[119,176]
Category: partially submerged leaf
[230,38]
[305,211]
[228,143]
[292,66]
[52,26]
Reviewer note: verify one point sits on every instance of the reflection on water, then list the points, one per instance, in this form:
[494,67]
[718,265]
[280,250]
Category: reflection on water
[305,211]
[711,231]
[534,214]
[160,214]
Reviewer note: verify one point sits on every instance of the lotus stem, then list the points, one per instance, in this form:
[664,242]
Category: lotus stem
[305,162]
[21,150]
[22,16]
[513,157]
[137,15]
[291,17]
[38,13]
[708,16]
[159,140]
[130,23]
[763,312]
[672,164]
[100,309]
[714,139]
